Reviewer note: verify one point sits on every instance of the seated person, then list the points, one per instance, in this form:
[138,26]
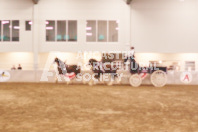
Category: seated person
[19,67]
[13,68]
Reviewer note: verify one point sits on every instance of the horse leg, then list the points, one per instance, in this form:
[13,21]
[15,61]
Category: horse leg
[91,82]
[101,74]
[97,77]
[118,80]
[56,79]
[111,79]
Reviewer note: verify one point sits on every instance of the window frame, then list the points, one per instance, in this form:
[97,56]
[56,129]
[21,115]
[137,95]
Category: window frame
[67,30]
[108,22]
[190,64]
[11,32]
[29,24]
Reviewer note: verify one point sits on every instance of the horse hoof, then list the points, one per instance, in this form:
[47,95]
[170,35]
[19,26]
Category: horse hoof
[110,83]
[91,83]
[84,82]
[56,80]
[118,81]
[68,82]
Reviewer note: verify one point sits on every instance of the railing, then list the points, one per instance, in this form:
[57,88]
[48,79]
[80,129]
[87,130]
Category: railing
[39,76]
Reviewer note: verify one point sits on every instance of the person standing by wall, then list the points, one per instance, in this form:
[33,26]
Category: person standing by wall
[19,67]
[13,68]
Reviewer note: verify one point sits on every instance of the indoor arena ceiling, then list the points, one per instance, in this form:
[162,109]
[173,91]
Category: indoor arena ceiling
[35,1]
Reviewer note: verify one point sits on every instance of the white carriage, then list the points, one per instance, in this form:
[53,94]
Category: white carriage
[157,77]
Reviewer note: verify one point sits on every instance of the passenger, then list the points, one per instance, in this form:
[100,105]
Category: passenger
[129,56]
[19,67]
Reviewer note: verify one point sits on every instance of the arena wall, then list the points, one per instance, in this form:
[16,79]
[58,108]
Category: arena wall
[161,30]
[17,10]
[82,11]
[164,26]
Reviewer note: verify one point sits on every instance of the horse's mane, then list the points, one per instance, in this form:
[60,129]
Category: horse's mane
[59,60]
[92,60]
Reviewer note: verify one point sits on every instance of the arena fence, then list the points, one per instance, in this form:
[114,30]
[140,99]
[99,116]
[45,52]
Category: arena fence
[176,78]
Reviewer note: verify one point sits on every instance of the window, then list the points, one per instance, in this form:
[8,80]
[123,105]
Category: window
[15,30]
[113,31]
[72,30]
[190,66]
[102,31]
[91,31]
[107,31]
[28,25]
[61,30]
[6,30]
[9,30]
[50,30]
[0,31]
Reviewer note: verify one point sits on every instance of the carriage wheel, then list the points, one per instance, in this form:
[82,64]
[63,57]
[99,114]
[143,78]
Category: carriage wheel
[159,78]
[117,80]
[135,80]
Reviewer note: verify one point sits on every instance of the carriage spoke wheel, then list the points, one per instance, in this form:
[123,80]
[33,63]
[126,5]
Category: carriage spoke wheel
[135,80]
[159,78]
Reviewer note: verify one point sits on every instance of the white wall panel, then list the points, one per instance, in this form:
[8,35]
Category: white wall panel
[7,60]
[82,10]
[17,10]
[165,26]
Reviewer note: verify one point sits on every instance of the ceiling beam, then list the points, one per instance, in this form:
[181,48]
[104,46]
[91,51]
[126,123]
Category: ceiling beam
[35,1]
[128,2]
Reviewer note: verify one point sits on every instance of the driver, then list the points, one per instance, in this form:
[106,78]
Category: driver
[129,55]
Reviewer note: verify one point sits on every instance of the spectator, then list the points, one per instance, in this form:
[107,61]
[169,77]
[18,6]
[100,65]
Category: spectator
[19,67]
[13,68]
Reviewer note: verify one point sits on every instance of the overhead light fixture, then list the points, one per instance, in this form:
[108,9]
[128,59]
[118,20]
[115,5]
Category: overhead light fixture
[88,28]
[16,27]
[89,34]
[49,28]
[5,22]
[30,22]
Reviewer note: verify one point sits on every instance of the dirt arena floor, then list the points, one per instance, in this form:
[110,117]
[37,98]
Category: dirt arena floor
[81,108]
